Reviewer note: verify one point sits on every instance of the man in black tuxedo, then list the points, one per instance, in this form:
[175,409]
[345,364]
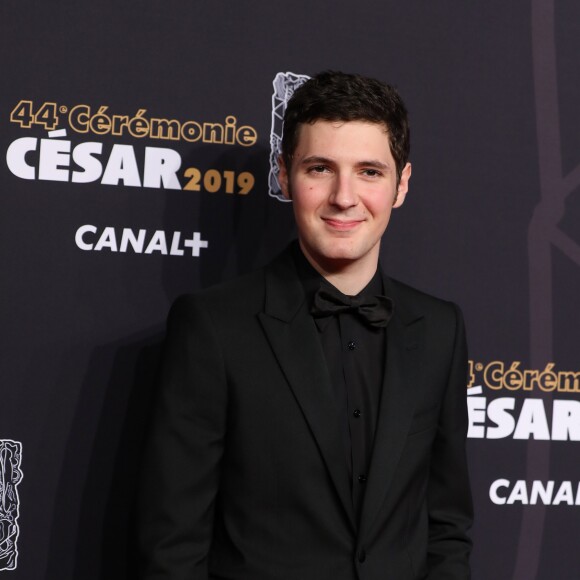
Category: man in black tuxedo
[311,418]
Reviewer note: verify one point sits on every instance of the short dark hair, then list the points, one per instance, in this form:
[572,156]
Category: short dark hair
[338,96]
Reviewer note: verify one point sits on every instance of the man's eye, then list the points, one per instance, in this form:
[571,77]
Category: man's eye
[372,172]
[318,169]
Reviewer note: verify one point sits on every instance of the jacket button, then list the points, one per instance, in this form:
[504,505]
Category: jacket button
[362,556]
[356,413]
[362,478]
[351,345]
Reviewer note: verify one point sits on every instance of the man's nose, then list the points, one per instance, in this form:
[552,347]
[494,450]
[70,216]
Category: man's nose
[343,192]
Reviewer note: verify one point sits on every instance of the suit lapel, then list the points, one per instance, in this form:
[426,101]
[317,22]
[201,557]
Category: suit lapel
[293,337]
[404,348]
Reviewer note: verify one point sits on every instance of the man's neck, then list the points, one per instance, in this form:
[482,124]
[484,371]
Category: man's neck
[349,276]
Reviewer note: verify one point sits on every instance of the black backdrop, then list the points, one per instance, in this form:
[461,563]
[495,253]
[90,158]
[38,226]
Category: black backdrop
[491,222]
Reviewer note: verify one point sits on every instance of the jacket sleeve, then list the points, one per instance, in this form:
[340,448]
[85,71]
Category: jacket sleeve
[180,473]
[449,493]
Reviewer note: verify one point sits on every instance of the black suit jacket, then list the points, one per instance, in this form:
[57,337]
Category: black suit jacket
[245,474]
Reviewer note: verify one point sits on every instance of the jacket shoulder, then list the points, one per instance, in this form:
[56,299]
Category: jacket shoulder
[412,302]
[242,293]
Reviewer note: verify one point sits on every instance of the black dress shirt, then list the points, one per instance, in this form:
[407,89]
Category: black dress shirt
[355,356]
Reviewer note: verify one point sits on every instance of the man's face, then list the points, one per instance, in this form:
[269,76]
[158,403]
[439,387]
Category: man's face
[343,183]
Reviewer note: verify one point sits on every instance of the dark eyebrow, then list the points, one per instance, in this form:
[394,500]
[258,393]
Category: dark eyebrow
[374,163]
[316,159]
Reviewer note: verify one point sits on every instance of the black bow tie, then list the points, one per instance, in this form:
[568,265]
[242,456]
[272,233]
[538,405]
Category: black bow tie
[374,310]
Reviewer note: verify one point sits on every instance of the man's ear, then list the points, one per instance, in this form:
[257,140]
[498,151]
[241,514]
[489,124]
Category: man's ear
[403,186]
[283,179]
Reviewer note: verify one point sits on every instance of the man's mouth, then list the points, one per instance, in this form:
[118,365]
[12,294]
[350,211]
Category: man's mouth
[342,224]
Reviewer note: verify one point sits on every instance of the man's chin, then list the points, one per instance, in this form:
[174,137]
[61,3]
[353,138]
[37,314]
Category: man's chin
[333,261]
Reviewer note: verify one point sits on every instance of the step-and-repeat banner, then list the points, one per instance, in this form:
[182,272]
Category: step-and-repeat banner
[137,163]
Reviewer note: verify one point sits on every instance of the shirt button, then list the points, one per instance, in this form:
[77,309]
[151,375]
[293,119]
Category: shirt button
[362,478]
[351,345]
[356,413]
[362,556]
